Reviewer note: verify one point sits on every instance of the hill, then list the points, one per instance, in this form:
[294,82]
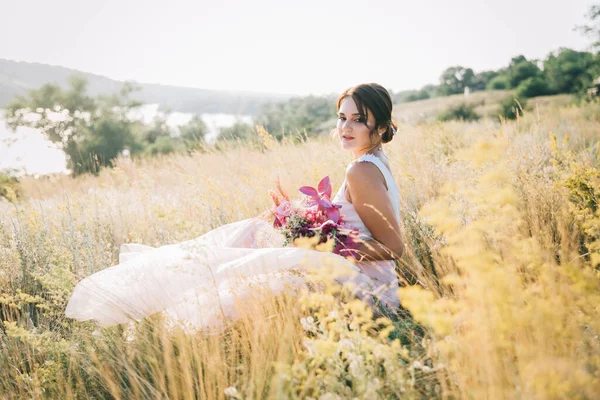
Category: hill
[16,77]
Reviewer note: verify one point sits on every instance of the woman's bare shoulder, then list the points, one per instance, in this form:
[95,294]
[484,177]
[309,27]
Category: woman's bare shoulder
[364,174]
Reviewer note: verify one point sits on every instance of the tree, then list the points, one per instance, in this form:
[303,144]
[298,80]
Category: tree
[193,133]
[531,87]
[570,71]
[500,82]
[238,131]
[592,30]
[517,60]
[483,78]
[91,131]
[157,129]
[454,80]
[521,69]
[163,145]
[297,115]
[158,137]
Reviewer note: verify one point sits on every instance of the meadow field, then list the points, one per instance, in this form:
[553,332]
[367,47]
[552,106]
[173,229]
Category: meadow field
[501,278]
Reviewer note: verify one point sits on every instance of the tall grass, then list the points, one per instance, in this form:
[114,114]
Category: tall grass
[500,274]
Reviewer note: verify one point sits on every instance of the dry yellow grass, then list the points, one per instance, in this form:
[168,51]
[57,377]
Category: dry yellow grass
[501,225]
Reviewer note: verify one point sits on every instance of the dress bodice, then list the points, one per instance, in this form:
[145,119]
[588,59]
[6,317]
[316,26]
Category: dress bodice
[349,212]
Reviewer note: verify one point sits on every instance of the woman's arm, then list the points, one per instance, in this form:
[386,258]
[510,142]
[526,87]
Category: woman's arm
[370,199]
[371,249]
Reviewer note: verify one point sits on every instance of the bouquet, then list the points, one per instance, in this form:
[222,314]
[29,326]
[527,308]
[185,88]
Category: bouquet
[314,216]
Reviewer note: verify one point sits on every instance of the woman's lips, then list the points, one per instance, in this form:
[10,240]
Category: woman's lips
[347,138]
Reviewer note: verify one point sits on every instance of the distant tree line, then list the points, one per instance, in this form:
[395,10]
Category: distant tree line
[563,71]
[93,131]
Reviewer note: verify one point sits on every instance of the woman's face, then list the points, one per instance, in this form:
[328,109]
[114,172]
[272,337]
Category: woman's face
[351,130]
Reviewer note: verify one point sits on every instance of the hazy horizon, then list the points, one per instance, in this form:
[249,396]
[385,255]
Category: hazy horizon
[312,48]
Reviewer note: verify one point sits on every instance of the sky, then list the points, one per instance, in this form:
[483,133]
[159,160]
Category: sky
[294,47]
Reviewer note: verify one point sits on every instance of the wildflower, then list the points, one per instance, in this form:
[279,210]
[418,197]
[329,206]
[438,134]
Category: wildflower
[231,392]
[130,332]
[380,351]
[308,324]
[346,344]
[310,346]
[284,209]
[356,361]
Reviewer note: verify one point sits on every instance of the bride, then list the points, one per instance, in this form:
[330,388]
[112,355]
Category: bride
[199,282]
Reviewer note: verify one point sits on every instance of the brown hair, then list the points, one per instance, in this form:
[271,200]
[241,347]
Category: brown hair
[376,98]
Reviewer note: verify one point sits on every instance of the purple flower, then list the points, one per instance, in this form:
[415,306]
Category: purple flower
[322,198]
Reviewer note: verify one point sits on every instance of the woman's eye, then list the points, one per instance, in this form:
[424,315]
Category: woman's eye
[356,120]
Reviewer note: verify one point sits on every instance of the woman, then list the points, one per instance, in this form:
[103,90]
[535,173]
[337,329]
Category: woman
[199,281]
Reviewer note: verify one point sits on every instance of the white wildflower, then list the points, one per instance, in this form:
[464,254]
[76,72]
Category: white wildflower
[231,391]
[373,385]
[379,351]
[130,332]
[355,366]
[310,346]
[346,344]
[417,365]
[308,324]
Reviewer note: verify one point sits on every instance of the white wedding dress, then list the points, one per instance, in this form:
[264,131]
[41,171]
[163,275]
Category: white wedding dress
[199,283]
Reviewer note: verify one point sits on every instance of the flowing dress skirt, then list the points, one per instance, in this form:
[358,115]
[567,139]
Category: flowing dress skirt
[199,282]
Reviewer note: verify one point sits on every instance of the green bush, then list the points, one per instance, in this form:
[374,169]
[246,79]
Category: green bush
[460,112]
[511,107]
[239,130]
[532,87]
[498,83]
[9,187]
[164,145]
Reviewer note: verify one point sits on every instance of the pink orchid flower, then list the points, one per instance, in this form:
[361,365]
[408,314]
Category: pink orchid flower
[322,198]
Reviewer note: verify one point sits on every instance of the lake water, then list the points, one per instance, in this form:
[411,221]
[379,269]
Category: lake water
[27,149]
